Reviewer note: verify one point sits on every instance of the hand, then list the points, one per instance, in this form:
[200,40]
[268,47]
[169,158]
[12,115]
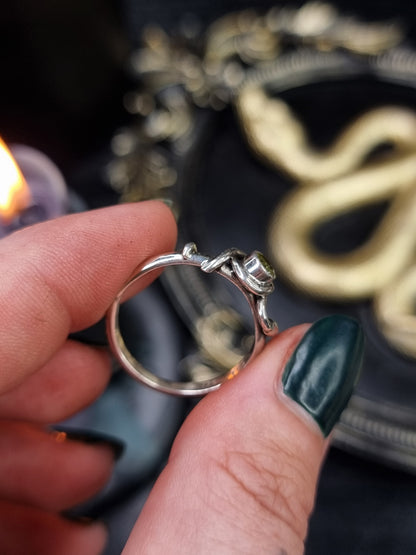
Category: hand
[242,474]
[57,278]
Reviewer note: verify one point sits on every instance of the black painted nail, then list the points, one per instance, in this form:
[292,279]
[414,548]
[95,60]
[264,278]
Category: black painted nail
[78,519]
[91,438]
[321,374]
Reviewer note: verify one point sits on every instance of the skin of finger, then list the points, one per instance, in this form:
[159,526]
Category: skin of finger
[27,530]
[74,377]
[60,276]
[46,470]
[242,473]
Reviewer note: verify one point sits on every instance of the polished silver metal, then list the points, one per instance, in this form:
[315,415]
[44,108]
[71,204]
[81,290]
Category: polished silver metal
[252,275]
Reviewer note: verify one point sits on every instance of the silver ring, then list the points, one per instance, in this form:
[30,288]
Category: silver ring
[253,275]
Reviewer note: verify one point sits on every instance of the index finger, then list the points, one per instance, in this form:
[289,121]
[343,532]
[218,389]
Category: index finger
[60,276]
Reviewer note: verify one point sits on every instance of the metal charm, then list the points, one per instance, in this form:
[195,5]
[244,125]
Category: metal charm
[252,275]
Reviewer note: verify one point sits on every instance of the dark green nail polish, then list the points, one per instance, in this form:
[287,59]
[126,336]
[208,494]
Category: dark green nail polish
[324,368]
[78,519]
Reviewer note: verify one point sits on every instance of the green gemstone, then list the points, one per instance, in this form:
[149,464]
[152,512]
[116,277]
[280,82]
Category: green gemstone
[266,266]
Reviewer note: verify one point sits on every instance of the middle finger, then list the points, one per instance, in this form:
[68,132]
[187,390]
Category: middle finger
[71,380]
[47,469]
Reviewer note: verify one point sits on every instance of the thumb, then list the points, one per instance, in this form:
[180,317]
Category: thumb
[242,473]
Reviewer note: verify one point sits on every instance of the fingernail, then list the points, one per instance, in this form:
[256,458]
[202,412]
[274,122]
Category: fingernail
[321,373]
[78,519]
[91,438]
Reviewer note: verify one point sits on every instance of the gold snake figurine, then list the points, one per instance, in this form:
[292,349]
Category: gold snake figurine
[333,182]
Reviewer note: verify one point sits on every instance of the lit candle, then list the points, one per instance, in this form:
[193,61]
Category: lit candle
[32,189]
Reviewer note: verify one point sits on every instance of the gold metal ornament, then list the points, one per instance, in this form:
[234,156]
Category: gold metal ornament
[367,270]
[248,60]
[278,137]
[179,77]
[334,182]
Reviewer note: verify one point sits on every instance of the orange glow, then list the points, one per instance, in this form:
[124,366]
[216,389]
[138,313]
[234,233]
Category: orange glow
[232,373]
[14,191]
[60,437]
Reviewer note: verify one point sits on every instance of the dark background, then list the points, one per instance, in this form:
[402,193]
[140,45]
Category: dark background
[63,66]
[63,76]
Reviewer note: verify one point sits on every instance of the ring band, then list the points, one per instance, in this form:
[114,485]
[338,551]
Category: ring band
[252,275]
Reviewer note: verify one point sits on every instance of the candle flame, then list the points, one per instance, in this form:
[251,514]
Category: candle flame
[14,191]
